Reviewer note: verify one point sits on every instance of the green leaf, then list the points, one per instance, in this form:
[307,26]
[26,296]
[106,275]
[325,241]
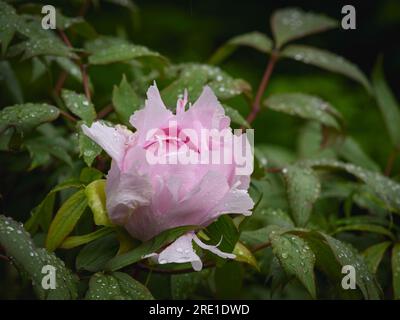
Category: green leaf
[94,256]
[10,80]
[122,52]
[129,4]
[235,116]
[255,40]
[125,100]
[347,255]
[305,106]
[243,254]
[41,148]
[330,259]
[116,286]
[76,241]
[351,151]
[387,103]
[9,23]
[224,230]
[373,228]
[30,260]
[96,196]
[194,77]
[229,280]
[65,220]
[385,188]
[90,174]
[78,104]
[64,22]
[374,254]
[147,247]
[273,155]
[191,81]
[326,60]
[48,46]
[88,149]
[39,68]
[183,285]
[27,116]
[296,258]
[259,236]
[70,67]
[43,213]
[396,270]
[293,23]
[303,189]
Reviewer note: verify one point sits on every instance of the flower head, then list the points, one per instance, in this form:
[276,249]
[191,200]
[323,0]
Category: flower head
[174,170]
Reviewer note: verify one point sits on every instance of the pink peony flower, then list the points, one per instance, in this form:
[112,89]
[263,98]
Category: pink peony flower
[148,198]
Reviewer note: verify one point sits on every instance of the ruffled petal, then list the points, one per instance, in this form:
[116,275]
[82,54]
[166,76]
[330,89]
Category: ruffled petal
[126,191]
[113,140]
[235,201]
[153,116]
[207,111]
[214,249]
[180,251]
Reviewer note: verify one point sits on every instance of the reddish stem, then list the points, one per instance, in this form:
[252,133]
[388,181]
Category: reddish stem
[261,88]
[85,80]
[60,83]
[105,111]
[66,115]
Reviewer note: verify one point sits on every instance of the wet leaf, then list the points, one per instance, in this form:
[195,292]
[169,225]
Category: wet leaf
[121,53]
[31,260]
[296,258]
[293,23]
[326,60]
[385,188]
[255,40]
[116,286]
[303,189]
[27,116]
[79,105]
[306,107]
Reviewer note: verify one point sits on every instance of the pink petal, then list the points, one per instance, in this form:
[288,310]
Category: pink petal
[112,140]
[214,249]
[235,201]
[126,192]
[181,251]
[207,111]
[153,116]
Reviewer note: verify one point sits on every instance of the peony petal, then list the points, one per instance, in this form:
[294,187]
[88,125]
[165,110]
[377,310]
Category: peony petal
[214,249]
[181,251]
[126,191]
[209,111]
[113,140]
[235,201]
[153,116]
